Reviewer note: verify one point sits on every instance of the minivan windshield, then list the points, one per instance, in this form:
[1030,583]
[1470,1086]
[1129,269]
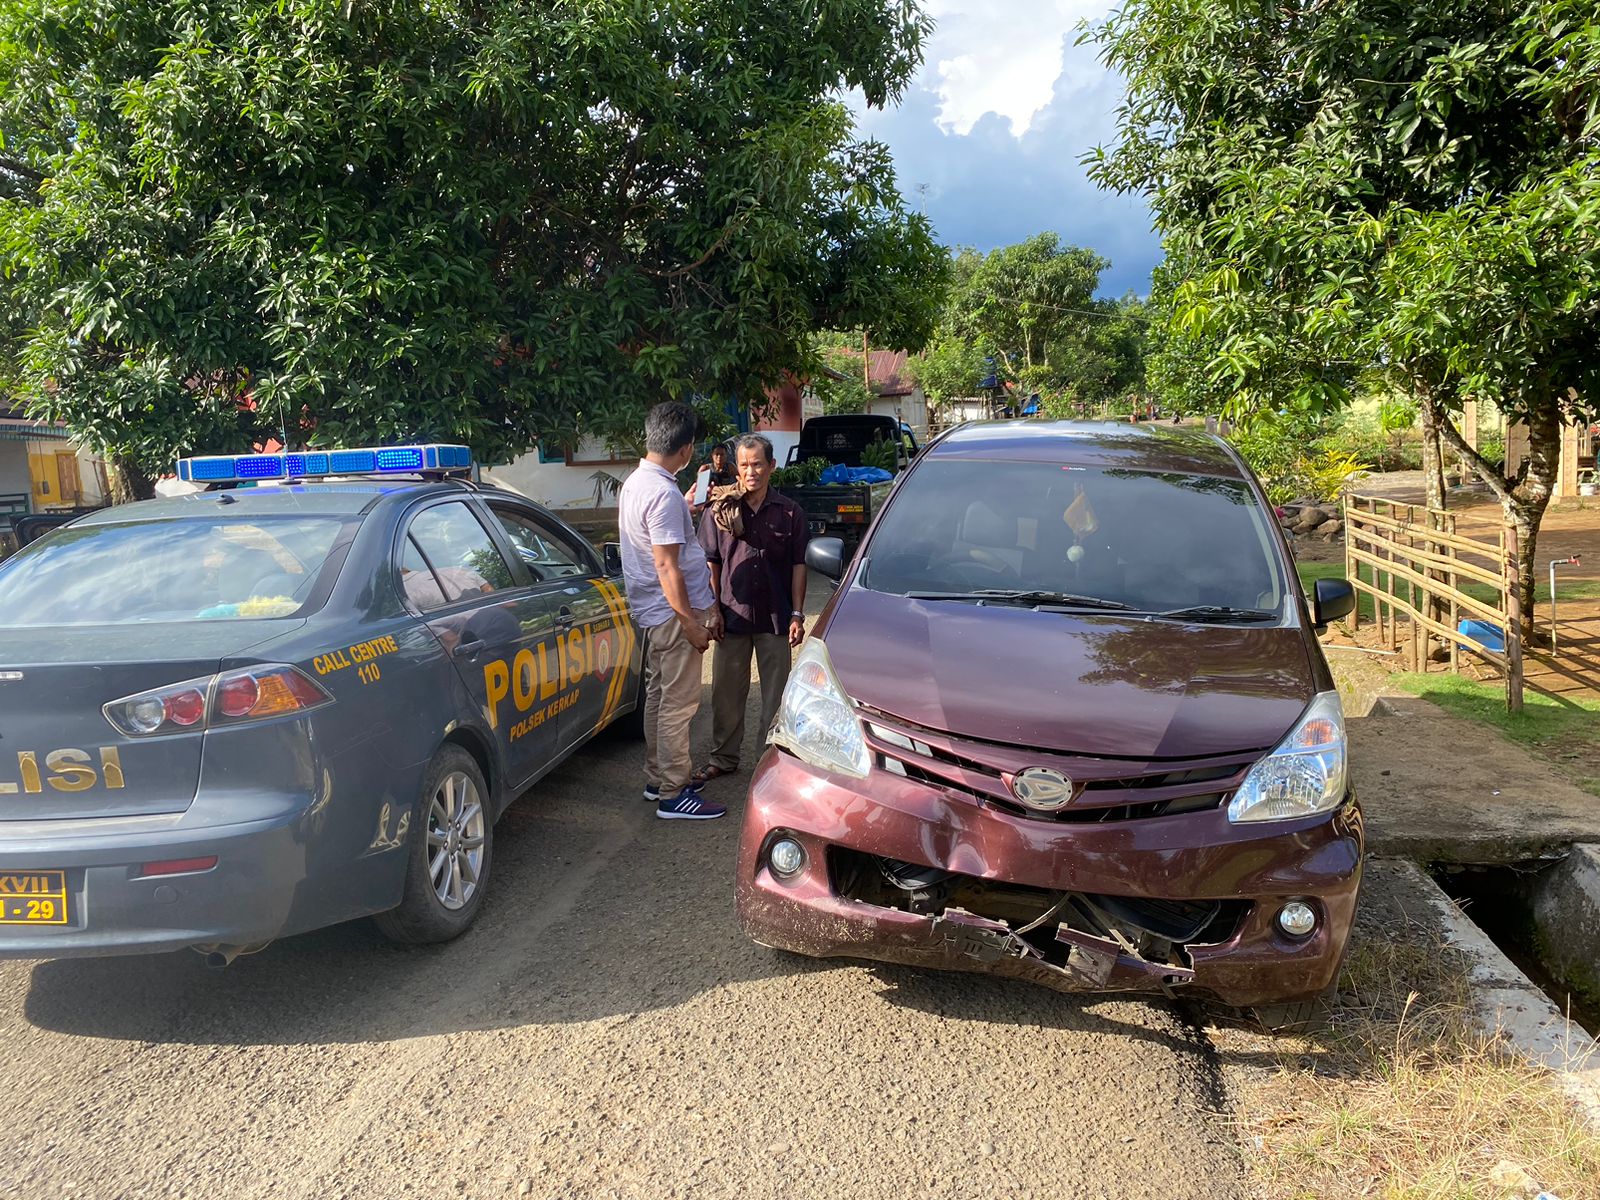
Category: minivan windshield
[170,570]
[1048,535]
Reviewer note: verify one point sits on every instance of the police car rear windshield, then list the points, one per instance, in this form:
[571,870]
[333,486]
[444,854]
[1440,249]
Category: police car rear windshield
[1142,541]
[185,570]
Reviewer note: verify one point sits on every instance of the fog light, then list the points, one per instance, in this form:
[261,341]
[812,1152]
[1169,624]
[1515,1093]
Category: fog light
[1297,919]
[786,857]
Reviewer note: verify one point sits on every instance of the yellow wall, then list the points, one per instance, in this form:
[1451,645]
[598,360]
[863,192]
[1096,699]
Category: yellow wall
[47,478]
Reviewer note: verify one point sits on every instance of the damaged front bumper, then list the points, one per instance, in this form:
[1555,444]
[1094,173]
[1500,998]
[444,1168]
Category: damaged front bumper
[1209,889]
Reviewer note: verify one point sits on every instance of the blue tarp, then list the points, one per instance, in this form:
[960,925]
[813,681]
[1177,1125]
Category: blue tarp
[841,474]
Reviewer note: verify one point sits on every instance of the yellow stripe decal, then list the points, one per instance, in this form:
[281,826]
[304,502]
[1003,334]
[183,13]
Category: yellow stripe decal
[614,605]
[629,639]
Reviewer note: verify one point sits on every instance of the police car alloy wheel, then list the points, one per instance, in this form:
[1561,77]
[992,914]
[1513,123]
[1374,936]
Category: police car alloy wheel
[456,840]
[450,853]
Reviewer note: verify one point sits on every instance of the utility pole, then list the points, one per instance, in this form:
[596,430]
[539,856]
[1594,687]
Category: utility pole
[866,364]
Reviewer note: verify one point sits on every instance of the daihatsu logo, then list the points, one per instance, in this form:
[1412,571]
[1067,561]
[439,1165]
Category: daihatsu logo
[1042,789]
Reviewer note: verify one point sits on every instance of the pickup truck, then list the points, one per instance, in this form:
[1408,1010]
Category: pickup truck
[845,510]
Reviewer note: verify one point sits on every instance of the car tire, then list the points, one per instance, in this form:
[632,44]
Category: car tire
[445,880]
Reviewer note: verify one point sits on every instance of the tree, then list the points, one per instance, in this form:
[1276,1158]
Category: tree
[1019,302]
[498,223]
[1362,186]
[949,369]
[841,383]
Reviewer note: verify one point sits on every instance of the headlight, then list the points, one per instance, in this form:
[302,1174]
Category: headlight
[816,720]
[1305,775]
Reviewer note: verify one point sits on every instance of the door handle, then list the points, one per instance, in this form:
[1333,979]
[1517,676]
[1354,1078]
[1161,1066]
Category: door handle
[468,647]
[564,618]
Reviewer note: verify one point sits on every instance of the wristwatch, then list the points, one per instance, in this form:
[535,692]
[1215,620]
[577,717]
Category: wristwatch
[797,615]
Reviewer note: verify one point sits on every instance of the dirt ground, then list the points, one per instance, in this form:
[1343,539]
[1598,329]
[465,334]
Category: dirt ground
[604,1031]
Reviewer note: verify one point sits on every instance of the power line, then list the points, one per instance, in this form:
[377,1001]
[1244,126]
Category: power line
[1082,312]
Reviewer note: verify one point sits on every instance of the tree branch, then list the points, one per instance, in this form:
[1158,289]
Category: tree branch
[722,240]
[20,168]
[1485,470]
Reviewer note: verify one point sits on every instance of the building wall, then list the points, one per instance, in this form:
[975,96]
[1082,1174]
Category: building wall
[15,479]
[912,408]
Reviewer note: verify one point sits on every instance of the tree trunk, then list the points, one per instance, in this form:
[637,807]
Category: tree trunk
[1432,456]
[1529,500]
[1522,500]
[128,482]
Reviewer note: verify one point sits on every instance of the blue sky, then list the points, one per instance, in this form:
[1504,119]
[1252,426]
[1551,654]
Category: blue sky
[995,126]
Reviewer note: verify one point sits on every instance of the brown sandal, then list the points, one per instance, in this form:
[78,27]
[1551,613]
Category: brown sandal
[707,773]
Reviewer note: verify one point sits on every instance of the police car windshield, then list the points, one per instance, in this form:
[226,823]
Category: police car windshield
[174,570]
[1140,540]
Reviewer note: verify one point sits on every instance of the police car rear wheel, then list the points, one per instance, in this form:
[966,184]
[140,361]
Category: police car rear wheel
[450,853]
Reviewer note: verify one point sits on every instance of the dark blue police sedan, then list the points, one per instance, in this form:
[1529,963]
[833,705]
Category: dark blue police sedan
[246,713]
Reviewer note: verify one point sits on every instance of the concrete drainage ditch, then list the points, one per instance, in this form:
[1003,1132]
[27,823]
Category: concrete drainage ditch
[1545,916]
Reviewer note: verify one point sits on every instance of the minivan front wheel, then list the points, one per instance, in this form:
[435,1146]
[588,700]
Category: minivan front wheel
[450,852]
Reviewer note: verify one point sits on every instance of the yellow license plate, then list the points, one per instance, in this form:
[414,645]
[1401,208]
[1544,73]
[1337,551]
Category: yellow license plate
[33,897]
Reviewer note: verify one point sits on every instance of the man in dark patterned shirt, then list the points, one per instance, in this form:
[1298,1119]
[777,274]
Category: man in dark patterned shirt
[759,577]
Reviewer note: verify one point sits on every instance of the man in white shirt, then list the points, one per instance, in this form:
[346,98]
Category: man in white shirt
[669,591]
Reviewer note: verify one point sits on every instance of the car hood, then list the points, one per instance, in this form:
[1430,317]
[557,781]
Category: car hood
[1089,684]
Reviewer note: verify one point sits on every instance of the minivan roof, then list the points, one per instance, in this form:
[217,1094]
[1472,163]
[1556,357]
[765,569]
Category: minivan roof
[1145,447]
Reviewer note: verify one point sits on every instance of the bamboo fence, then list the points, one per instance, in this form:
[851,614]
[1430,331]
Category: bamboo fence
[1416,564]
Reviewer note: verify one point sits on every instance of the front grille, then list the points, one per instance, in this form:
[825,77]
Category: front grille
[1108,789]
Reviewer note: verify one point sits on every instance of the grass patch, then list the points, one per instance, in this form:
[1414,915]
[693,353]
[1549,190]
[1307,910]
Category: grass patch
[1566,733]
[1405,1097]
[1566,589]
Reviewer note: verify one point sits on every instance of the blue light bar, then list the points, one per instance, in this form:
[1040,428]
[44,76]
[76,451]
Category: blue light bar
[366,460]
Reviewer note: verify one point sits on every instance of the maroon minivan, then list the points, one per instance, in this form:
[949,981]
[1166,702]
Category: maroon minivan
[1066,719]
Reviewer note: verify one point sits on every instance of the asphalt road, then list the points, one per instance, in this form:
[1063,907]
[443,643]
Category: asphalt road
[605,1030]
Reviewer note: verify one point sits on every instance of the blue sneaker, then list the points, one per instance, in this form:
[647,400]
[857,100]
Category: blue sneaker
[652,793]
[689,805]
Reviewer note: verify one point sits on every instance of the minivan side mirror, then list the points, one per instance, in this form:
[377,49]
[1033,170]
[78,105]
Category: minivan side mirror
[613,557]
[1330,600]
[825,556]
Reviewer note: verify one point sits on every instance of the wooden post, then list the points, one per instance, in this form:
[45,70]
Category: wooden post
[1513,623]
[1385,585]
[1455,608]
[1351,570]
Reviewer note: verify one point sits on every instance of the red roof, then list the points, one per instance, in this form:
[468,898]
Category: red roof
[887,370]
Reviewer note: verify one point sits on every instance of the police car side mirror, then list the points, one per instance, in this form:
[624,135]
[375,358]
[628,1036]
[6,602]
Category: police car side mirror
[825,556]
[613,557]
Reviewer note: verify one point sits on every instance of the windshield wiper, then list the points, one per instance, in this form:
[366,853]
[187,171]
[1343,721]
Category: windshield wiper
[1030,599]
[1216,614]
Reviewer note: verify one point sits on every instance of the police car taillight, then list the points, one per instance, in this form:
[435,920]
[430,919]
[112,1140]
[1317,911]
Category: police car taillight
[270,692]
[232,698]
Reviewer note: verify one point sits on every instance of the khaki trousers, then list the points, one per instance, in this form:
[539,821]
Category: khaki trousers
[672,696]
[730,689]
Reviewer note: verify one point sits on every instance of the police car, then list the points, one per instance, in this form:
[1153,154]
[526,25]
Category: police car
[244,713]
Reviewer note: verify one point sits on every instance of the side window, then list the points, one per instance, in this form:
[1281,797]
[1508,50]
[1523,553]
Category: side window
[449,556]
[547,553]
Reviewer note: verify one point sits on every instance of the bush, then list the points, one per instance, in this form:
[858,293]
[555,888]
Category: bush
[1493,450]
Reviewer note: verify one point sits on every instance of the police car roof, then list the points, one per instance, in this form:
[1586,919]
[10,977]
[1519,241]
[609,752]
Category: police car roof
[1115,444]
[343,497]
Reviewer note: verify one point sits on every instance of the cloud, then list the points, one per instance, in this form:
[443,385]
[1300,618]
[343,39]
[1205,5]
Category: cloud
[1000,56]
[1014,169]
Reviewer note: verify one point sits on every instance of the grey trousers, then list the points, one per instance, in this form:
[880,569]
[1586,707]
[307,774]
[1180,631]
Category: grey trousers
[730,689]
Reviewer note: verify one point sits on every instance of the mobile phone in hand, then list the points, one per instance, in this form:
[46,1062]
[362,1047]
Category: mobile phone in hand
[702,486]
